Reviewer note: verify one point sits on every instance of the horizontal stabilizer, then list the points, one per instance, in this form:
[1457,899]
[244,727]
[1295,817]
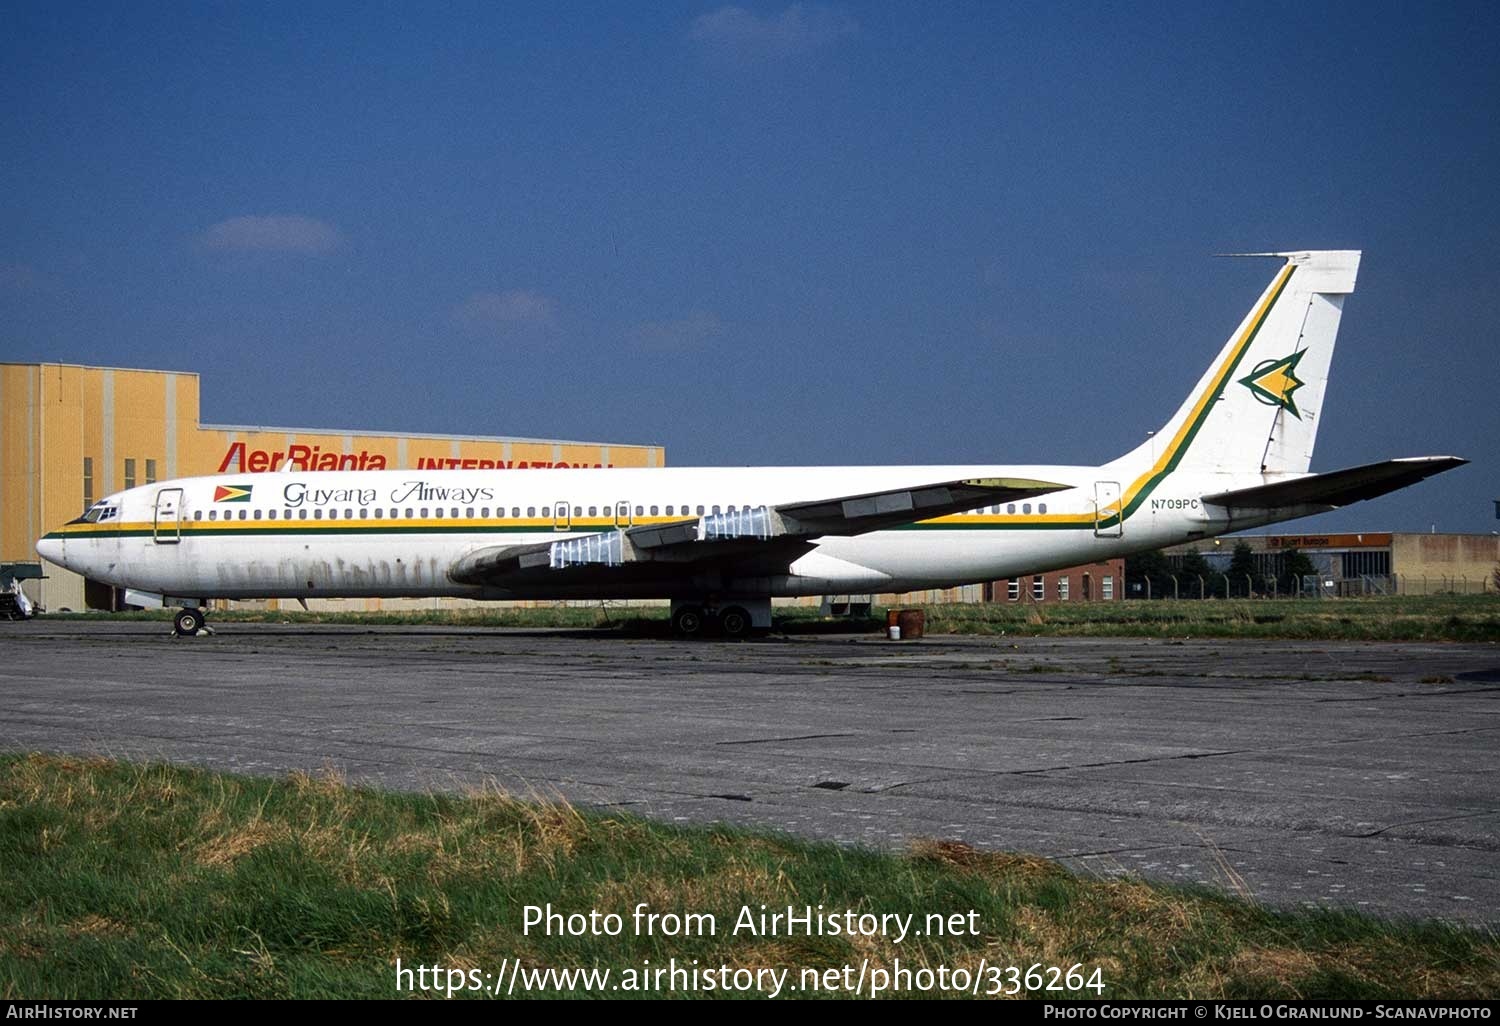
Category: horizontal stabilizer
[1338,487]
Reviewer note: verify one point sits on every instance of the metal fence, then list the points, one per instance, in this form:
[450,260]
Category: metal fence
[1217,586]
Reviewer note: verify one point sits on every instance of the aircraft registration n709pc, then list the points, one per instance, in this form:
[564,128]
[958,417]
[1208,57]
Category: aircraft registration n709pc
[720,543]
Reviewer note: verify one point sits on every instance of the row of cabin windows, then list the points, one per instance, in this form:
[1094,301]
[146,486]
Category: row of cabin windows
[515,511]
[1064,588]
[483,511]
[413,512]
[1010,509]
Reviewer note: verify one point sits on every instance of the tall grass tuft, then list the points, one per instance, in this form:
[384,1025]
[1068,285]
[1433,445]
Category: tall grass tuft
[149,881]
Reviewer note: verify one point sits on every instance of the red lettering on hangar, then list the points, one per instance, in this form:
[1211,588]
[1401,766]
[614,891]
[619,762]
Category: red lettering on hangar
[454,463]
[297,457]
[311,457]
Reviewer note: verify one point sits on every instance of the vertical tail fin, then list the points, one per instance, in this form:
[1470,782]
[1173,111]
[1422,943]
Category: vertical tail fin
[1256,408]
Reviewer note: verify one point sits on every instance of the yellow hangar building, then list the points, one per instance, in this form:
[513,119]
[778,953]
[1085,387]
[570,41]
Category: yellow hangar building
[70,435]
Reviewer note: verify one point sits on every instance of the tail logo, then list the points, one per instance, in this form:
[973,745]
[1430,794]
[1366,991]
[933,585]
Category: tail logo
[1274,381]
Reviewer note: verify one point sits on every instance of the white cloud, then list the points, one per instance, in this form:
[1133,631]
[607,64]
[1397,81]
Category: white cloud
[493,312]
[695,331]
[737,34]
[272,233]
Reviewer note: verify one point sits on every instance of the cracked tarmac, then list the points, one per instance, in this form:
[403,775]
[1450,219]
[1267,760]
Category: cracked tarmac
[1295,773]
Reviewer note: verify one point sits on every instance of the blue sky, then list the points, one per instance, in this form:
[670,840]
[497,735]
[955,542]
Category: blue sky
[859,233]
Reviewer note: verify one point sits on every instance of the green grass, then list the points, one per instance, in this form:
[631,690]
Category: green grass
[1471,618]
[149,881]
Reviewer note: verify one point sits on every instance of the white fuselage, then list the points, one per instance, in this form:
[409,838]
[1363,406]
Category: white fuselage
[398,533]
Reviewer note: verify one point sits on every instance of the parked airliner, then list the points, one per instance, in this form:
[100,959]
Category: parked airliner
[720,543]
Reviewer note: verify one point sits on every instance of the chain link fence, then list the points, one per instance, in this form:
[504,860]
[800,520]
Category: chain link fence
[1206,587]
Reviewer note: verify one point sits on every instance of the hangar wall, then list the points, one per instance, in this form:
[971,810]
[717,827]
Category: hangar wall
[1374,562]
[1446,562]
[70,435]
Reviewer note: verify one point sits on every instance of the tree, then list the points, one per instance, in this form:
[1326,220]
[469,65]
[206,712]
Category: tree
[1294,566]
[1195,574]
[1242,569]
[1152,566]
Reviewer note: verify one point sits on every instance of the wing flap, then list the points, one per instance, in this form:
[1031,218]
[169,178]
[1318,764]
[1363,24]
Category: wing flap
[766,537]
[857,514]
[1339,487]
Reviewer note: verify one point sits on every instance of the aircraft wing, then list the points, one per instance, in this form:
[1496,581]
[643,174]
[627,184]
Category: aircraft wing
[1339,487]
[766,538]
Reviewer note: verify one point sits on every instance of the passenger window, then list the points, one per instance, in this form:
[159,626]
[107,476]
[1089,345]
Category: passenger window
[669,511]
[655,510]
[1026,507]
[213,514]
[198,515]
[700,511]
[546,511]
[424,512]
[364,514]
[271,514]
[348,514]
[437,513]
[515,511]
[716,509]
[318,513]
[484,511]
[408,513]
[1042,508]
[1011,509]
[640,511]
[593,511]
[531,511]
[378,511]
[302,514]
[257,514]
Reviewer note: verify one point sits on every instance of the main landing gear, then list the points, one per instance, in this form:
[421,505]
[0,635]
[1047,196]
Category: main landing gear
[733,621]
[189,622]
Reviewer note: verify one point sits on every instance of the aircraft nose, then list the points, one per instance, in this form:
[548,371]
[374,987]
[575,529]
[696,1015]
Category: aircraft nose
[50,549]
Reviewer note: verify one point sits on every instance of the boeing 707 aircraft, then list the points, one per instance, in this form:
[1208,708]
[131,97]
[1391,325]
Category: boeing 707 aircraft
[720,543]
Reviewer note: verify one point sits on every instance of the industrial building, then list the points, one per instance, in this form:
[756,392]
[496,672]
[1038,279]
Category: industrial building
[70,435]
[1092,582]
[1368,563]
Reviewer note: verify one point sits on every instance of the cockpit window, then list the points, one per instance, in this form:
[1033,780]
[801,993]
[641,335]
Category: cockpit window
[99,511]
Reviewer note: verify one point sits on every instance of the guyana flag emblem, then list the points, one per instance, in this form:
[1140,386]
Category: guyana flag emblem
[1274,381]
[232,493]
